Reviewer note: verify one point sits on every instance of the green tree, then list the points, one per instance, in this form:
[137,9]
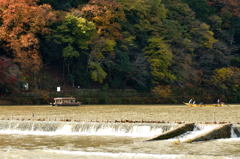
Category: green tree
[159,57]
[226,81]
[96,72]
[71,40]
[202,9]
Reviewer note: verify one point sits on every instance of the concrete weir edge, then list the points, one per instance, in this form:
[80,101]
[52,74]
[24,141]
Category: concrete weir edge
[174,133]
[222,131]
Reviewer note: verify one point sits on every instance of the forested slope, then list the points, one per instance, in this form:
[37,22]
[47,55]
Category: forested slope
[169,48]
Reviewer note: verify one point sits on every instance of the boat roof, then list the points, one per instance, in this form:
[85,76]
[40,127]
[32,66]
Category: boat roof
[64,98]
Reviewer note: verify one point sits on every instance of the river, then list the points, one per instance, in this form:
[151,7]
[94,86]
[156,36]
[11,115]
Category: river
[112,132]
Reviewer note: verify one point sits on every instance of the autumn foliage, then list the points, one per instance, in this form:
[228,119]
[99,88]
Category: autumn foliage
[22,21]
[232,6]
[172,49]
[106,14]
[7,76]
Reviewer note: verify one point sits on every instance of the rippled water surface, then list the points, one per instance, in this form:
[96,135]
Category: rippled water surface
[46,136]
[168,113]
[15,146]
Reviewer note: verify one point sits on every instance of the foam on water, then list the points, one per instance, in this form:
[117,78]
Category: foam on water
[97,129]
[126,155]
[200,129]
[119,155]
[229,140]
[82,128]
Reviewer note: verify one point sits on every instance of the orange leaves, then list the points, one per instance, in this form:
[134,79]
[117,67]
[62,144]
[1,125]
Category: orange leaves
[29,60]
[8,71]
[21,21]
[228,5]
[28,40]
[29,17]
[106,14]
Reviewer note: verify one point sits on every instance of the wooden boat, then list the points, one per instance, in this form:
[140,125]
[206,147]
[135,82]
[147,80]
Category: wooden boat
[65,101]
[204,105]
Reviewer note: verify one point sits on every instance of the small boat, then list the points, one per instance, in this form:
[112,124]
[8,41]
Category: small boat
[204,105]
[65,101]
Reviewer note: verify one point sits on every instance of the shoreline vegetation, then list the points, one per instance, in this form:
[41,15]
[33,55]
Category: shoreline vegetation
[97,96]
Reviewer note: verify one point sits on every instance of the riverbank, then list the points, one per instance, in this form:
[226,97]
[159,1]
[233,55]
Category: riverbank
[124,113]
[102,96]
[86,96]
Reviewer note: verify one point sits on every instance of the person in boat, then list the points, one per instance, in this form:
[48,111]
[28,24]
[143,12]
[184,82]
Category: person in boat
[220,103]
[190,101]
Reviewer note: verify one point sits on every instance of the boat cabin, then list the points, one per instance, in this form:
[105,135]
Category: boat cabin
[65,101]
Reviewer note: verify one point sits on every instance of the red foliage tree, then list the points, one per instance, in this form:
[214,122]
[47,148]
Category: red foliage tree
[106,14]
[232,6]
[21,21]
[6,76]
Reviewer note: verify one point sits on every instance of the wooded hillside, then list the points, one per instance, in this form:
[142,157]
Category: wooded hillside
[169,48]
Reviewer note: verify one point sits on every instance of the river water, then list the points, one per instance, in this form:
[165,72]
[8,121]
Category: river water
[43,133]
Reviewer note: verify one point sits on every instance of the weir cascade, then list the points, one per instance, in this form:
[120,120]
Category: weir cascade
[139,130]
[83,128]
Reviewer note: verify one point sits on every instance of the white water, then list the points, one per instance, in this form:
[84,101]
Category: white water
[200,129]
[235,132]
[99,129]
[119,155]
[106,141]
[83,128]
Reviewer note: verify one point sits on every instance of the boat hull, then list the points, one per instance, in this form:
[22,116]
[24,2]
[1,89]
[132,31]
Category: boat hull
[66,105]
[203,105]
[65,101]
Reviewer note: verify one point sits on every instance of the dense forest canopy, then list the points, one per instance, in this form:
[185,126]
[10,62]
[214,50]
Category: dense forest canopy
[167,47]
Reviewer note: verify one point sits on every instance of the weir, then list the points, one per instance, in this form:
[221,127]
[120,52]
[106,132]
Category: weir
[174,132]
[235,132]
[154,131]
[209,133]
[83,128]
[193,132]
